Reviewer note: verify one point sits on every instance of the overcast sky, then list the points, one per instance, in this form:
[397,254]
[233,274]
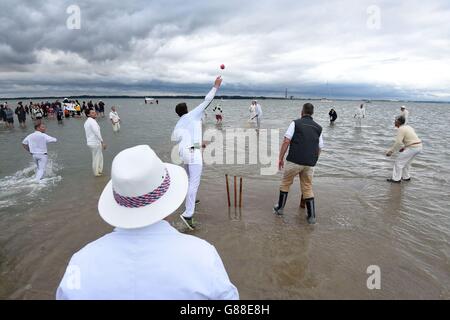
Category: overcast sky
[356,49]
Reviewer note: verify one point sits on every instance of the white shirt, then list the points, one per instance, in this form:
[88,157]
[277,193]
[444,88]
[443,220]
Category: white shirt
[259,112]
[93,134]
[37,142]
[291,130]
[405,113]
[252,111]
[152,263]
[114,116]
[361,113]
[188,132]
[218,110]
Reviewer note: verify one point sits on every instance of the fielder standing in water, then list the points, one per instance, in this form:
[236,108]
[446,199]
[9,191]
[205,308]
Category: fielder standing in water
[188,135]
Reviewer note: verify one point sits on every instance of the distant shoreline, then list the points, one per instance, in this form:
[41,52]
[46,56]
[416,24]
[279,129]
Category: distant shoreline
[225,97]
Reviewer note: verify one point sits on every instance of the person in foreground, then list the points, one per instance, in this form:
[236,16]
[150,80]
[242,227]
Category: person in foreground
[188,134]
[145,258]
[304,140]
[409,146]
[36,144]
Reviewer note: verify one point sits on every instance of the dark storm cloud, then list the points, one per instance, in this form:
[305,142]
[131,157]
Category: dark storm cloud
[267,45]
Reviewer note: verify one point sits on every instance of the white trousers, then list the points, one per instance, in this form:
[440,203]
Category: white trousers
[116,127]
[403,163]
[194,172]
[258,122]
[358,121]
[41,163]
[97,159]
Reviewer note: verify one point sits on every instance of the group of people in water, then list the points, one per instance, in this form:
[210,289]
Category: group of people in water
[47,110]
[143,191]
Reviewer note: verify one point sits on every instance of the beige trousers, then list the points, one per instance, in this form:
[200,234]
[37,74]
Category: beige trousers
[305,173]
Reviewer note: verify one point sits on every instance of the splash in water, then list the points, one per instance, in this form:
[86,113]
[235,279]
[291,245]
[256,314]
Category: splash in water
[22,188]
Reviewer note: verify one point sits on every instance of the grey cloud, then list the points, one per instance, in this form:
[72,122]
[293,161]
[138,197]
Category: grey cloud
[138,45]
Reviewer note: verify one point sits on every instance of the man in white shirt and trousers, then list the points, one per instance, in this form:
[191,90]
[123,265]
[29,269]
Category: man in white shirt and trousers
[145,258]
[258,114]
[36,144]
[115,119]
[188,134]
[95,143]
[360,114]
[405,113]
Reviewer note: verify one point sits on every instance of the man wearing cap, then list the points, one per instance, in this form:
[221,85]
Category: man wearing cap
[95,142]
[409,146]
[145,258]
[404,113]
[36,144]
[304,141]
[188,134]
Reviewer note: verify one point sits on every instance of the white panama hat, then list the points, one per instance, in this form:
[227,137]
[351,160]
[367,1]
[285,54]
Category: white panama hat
[143,190]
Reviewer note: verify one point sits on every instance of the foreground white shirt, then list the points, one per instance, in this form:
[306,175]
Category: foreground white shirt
[37,142]
[93,134]
[291,130]
[188,132]
[152,263]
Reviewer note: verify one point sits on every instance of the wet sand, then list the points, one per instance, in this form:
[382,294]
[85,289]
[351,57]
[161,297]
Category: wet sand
[267,257]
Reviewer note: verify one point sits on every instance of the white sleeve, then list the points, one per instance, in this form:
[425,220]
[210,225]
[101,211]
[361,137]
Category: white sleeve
[222,287]
[321,145]
[290,131]
[25,141]
[50,139]
[197,113]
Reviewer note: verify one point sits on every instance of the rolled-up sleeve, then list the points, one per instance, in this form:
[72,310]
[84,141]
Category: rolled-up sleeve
[290,131]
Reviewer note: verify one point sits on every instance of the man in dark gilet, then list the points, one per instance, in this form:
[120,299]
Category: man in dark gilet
[304,141]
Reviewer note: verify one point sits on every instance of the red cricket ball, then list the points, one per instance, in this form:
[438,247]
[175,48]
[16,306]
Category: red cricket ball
[222,66]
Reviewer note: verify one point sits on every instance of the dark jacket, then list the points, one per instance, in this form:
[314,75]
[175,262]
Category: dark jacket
[304,147]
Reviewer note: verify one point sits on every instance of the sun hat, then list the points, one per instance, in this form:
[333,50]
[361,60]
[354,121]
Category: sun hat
[143,190]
